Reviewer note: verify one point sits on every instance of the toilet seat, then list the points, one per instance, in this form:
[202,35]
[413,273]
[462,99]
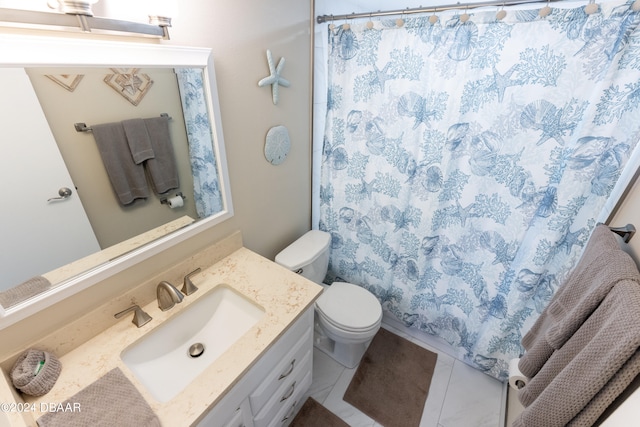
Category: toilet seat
[349,308]
[345,331]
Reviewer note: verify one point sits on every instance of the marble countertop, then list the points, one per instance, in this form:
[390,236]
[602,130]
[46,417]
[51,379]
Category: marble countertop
[284,296]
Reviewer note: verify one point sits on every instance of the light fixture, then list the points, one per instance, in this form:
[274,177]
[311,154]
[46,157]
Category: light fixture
[160,12]
[78,14]
[163,22]
[74,7]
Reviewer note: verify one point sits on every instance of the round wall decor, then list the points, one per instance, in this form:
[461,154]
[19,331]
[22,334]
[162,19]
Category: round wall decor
[277,145]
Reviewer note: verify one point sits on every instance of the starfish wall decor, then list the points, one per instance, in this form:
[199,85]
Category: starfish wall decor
[274,79]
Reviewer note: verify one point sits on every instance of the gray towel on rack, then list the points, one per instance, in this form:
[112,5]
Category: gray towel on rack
[110,401]
[582,378]
[127,178]
[138,139]
[162,169]
[23,291]
[602,265]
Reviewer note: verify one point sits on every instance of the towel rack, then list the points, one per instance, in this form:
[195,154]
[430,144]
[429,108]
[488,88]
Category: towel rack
[625,232]
[82,127]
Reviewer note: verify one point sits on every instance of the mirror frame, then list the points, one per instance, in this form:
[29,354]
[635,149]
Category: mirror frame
[21,51]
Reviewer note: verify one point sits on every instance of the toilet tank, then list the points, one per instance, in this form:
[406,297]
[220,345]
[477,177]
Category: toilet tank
[309,255]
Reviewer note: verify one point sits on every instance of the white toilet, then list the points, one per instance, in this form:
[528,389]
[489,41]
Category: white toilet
[347,316]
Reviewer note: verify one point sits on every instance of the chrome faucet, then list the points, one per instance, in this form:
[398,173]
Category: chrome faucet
[168,295]
[140,318]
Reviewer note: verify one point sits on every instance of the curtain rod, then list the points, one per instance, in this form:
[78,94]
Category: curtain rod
[325,18]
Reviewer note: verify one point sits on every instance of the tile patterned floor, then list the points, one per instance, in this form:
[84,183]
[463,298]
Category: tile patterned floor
[459,396]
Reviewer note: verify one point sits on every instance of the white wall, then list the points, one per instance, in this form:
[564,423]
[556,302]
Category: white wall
[338,7]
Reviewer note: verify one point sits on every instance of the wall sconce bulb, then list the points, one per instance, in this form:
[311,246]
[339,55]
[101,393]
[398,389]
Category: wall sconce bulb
[75,7]
[161,21]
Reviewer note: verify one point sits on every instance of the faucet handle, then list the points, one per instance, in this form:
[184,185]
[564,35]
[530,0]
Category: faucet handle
[188,287]
[140,317]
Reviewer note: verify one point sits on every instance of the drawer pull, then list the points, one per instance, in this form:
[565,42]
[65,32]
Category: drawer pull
[285,375]
[291,412]
[288,395]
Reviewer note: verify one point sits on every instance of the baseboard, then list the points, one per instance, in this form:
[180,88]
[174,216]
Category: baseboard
[513,405]
[505,403]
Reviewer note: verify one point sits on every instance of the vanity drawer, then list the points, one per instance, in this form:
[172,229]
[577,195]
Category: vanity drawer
[287,393]
[288,412]
[242,417]
[236,421]
[281,371]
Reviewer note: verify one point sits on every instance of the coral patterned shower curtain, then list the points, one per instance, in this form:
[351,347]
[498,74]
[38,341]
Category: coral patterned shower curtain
[206,186]
[465,162]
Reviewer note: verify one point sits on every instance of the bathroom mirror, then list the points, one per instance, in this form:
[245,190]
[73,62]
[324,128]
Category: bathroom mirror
[71,85]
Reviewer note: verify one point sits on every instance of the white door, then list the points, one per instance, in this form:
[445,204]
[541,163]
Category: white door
[36,235]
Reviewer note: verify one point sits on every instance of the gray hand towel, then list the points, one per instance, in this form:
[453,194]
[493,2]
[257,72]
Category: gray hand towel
[162,169]
[138,139]
[110,401]
[23,291]
[127,178]
[35,372]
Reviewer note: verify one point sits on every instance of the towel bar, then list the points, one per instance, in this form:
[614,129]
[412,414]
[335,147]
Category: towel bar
[82,127]
[625,232]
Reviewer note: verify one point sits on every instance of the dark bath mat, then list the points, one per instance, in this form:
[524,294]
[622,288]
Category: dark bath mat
[392,381]
[313,414]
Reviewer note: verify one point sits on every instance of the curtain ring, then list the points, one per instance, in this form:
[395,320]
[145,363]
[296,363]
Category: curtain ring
[591,8]
[501,13]
[332,26]
[346,26]
[465,16]
[400,21]
[434,18]
[370,22]
[545,11]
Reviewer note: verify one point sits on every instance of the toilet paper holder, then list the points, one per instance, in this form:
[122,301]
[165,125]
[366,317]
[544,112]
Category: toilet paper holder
[165,200]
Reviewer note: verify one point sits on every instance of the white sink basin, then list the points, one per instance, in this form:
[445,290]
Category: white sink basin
[161,361]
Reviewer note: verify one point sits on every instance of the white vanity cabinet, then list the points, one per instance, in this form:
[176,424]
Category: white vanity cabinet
[271,393]
[241,417]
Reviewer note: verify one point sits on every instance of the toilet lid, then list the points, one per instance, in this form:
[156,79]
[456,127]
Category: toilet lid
[305,250]
[349,306]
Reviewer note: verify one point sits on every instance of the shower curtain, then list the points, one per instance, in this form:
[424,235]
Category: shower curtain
[465,162]
[206,187]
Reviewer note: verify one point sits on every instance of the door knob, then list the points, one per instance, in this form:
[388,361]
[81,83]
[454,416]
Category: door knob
[64,193]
